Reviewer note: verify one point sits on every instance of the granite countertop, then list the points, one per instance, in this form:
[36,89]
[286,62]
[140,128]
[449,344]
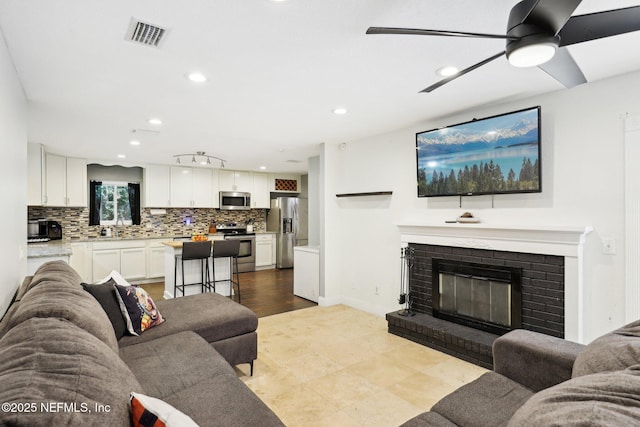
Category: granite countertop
[55,248]
[312,249]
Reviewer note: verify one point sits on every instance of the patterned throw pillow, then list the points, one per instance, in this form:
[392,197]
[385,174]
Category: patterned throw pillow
[138,309]
[148,411]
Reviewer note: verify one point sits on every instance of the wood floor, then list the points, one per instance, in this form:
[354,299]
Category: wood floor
[266,292]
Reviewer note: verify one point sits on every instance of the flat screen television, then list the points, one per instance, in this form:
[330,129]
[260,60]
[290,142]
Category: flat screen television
[493,155]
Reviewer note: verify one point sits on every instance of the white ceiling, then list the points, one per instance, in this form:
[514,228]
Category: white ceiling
[276,71]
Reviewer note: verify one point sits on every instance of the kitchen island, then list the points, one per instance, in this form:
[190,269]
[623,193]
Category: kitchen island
[192,271]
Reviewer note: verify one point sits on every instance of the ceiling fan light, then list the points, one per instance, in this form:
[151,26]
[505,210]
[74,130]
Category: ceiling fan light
[532,55]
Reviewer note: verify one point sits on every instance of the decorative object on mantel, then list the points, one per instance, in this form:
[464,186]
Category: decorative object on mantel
[199,157]
[372,193]
[406,259]
[467,218]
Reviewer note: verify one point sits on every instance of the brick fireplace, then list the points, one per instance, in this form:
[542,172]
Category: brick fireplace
[548,260]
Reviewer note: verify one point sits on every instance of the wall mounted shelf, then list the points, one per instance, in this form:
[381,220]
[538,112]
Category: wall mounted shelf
[373,193]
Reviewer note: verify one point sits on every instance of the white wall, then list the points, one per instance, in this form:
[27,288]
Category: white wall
[13,175]
[583,183]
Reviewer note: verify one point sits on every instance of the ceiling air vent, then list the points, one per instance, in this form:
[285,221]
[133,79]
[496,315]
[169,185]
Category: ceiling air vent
[146,34]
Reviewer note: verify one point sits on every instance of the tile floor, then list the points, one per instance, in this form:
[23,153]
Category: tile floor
[337,366]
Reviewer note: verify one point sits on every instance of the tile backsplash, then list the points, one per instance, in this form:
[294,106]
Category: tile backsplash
[176,221]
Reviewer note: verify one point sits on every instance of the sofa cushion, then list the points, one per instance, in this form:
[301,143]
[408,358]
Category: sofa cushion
[609,398]
[169,364]
[46,361]
[491,400]
[56,271]
[614,351]
[105,294]
[58,299]
[212,316]
[137,308]
[196,380]
[428,419]
[223,400]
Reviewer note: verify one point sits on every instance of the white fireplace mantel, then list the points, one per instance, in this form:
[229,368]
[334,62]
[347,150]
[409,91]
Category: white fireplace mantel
[567,241]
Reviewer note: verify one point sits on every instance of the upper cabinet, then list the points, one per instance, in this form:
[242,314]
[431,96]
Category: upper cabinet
[260,195]
[156,182]
[235,181]
[191,187]
[284,183]
[35,166]
[65,182]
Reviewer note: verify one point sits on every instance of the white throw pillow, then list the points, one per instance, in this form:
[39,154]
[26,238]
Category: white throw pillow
[142,406]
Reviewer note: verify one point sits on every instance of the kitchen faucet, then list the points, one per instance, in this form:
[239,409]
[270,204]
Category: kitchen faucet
[121,220]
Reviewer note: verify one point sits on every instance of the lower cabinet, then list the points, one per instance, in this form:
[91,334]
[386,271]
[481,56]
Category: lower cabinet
[265,255]
[80,260]
[129,258]
[155,258]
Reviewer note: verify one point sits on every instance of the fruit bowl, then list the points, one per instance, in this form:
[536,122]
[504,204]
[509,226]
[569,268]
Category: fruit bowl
[199,238]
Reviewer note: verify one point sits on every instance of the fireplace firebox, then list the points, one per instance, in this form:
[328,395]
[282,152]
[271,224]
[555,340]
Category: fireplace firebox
[484,297]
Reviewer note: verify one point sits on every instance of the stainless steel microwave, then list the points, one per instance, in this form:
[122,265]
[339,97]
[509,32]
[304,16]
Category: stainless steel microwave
[235,200]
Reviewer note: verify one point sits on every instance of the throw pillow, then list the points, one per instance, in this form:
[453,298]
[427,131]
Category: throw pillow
[614,351]
[138,309]
[148,411]
[105,294]
[116,277]
[604,399]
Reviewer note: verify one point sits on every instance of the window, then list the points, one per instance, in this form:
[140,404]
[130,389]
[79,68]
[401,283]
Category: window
[115,206]
[112,203]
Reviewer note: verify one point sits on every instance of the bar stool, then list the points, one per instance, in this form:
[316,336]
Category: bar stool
[227,249]
[193,251]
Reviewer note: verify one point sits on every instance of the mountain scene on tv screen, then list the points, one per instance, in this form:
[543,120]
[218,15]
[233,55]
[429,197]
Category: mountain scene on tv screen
[488,156]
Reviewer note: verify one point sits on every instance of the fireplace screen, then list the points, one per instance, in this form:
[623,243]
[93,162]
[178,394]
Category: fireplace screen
[485,297]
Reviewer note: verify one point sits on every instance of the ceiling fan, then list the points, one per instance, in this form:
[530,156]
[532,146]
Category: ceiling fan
[538,32]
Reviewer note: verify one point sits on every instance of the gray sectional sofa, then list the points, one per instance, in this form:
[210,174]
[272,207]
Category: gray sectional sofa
[61,363]
[540,380]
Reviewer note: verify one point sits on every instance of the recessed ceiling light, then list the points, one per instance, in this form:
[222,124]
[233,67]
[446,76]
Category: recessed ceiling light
[340,111]
[134,142]
[447,71]
[262,168]
[154,121]
[197,77]
[122,156]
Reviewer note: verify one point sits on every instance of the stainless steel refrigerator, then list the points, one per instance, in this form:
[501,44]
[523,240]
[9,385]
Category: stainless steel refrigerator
[288,218]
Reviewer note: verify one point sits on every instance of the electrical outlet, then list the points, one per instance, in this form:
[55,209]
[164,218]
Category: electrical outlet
[609,246]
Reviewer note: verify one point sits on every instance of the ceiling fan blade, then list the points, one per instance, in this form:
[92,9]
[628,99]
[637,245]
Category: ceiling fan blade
[551,15]
[564,69]
[598,25]
[461,73]
[418,32]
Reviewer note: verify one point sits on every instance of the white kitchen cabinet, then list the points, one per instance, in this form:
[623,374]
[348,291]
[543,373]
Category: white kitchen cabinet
[265,256]
[156,185]
[35,163]
[306,272]
[80,260]
[128,257]
[65,182]
[191,187]
[155,258]
[260,195]
[235,181]
[133,263]
[105,261]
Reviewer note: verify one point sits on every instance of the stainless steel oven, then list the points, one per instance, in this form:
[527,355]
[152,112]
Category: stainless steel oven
[247,254]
